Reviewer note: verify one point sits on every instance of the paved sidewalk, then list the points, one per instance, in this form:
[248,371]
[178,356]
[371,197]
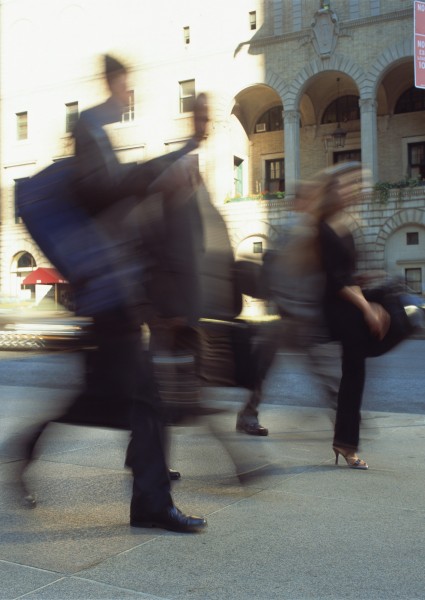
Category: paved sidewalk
[298,527]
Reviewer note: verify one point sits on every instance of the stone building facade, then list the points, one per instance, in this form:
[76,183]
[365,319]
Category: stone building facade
[283,76]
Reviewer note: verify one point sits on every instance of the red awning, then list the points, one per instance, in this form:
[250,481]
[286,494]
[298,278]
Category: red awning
[44,275]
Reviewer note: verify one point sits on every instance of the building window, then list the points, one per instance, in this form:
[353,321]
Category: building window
[275,175]
[22,264]
[71,118]
[412,238]
[413,278]
[347,155]
[271,120]
[18,182]
[354,9]
[186,35]
[412,100]
[375,8]
[128,112]
[238,176]
[257,247]
[26,261]
[416,160]
[22,126]
[187,95]
[253,20]
[341,110]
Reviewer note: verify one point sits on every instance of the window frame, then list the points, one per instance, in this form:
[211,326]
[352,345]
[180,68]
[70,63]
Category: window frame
[21,126]
[357,152]
[238,176]
[405,142]
[412,238]
[186,34]
[408,98]
[71,117]
[266,118]
[420,165]
[267,174]
[186,97]
[128,113]
[16,183]
[26,268]
[253,20]
[419,281]
[342,108]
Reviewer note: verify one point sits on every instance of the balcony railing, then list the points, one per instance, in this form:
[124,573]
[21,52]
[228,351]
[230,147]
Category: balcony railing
[251,197]
[406,189]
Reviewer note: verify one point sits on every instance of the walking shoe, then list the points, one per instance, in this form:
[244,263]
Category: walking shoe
[252,428]
[171,519]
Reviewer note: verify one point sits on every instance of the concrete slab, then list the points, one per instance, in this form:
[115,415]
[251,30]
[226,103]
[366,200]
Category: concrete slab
[17,579]
[74,588]
[278,545]
[298,527]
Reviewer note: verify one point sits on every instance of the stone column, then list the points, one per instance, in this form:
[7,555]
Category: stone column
[369,135]
[220,162]
[291,119]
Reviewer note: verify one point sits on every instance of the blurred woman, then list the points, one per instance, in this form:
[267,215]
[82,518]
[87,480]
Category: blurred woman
[351,318]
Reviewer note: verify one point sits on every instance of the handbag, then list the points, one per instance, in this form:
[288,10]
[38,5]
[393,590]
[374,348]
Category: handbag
[406,310]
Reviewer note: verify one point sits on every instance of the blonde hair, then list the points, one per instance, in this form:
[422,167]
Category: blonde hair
[327,197]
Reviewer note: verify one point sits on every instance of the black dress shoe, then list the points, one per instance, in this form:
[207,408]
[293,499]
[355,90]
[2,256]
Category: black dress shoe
[171,519]
[174,475]
[252,428]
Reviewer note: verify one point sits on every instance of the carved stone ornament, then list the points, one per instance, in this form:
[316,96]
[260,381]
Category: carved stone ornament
[325,30]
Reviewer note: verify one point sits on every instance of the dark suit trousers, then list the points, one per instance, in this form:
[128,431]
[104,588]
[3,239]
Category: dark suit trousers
[131,379]
[121,391]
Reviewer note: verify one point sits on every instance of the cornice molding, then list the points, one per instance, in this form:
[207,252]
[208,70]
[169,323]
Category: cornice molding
[20,163]
[305,34]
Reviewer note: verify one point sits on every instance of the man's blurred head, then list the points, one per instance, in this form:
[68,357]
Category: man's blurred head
[116,77]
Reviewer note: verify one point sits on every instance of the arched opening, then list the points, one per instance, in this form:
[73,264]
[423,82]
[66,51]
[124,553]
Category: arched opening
[26,262]
[257,143]
[342,110]
[401,111]
[412,100]
[22,264]
[271,120]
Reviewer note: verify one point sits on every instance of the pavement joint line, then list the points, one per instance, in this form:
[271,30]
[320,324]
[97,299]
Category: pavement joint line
[116,587]
[222,508]
[43,587]
[349,500]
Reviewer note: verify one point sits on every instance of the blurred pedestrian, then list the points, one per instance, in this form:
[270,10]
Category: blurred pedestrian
[120,387]
[351,318]
[292,280]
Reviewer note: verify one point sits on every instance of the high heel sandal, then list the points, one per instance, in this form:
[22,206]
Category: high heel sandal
[351,458]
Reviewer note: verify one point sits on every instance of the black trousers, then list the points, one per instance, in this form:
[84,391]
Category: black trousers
[120,392]
[350,396]
[123,373]
[346,324]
